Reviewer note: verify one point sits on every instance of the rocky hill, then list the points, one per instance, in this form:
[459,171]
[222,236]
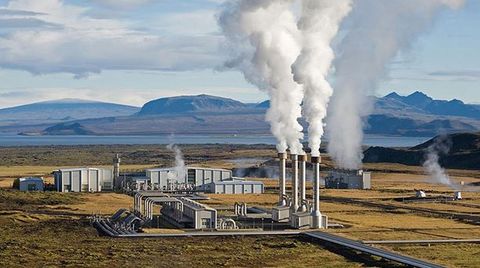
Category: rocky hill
[191,104]
[464,152]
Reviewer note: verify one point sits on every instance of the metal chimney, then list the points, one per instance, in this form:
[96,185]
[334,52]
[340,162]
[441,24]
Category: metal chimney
[281,180]
[116,170]
[303,177]
[294,205]
[316,215]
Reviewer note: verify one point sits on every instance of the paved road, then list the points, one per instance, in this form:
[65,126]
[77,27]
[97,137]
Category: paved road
[435,241]
[194,234]
[348,243]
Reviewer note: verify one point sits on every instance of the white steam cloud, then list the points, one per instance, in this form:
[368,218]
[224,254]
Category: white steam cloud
[179,161]
[262,36]
[378,31]
[319,24]
[436,172]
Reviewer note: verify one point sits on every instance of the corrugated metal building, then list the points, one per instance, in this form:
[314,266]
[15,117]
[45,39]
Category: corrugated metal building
[83,179]
[209,180]
[237,187]
[202,216]
[29,184]
[196,177]
[348,179]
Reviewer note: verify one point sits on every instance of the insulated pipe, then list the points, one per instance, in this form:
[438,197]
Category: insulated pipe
[294,205]
[135,203]
[150,209]
[303,177]
[281,180]
[316,215]
[147,208]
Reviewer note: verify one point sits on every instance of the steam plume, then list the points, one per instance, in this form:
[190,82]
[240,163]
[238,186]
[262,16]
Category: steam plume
[378,31]
[179,162]
[262,36]
[318,24]
[437,173]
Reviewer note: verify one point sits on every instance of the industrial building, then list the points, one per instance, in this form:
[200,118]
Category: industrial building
[208,180]
[83,179]
[195,177]
[348,179]
[180,211]
[29,184]
[236,186]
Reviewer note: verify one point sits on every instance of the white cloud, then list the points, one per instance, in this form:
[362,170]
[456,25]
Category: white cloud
[457,75]
[122,3]
[80,44]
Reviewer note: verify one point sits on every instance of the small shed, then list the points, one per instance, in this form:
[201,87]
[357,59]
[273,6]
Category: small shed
[29,184]
[348,179]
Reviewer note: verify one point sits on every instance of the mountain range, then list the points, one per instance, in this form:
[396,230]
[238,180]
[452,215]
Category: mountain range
[414,115]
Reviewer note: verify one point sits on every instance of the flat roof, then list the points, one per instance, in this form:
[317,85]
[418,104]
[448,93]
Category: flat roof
[187,202]
[30,179]
[197,168]
[81,168]
[237,182]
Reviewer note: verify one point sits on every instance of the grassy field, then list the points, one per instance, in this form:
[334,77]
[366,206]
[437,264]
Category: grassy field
[52,229]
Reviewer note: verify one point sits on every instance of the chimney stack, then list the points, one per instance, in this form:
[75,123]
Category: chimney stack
[281,180]
[116,170]
[303,177]
[316,215]
[294,205]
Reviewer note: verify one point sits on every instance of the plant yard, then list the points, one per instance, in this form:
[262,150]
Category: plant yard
[53,229]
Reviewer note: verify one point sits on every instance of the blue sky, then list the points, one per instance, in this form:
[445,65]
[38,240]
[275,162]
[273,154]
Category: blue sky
[131,51]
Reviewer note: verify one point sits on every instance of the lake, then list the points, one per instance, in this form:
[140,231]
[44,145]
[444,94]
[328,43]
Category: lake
[16,140]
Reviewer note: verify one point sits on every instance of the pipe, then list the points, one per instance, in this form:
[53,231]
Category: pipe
[316,215]
[135,203]
[303,177]
[281,180]
[294,206]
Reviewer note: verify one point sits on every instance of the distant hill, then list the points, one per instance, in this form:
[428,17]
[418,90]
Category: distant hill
[414,115]
[191,104]
[63,110]
[421,102]
[419,115]
[464,153]
[67,129]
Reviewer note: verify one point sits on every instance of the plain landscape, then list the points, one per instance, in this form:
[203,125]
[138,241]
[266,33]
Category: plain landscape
[51,224]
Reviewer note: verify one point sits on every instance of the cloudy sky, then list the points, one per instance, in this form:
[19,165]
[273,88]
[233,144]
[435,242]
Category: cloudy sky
[132,51]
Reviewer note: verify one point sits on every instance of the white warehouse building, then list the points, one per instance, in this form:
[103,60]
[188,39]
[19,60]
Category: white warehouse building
[348,179]
[83,179]
[201,179]
[237,187]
